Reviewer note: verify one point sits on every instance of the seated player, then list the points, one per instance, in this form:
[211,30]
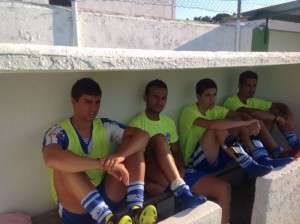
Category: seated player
[89,179]
[269,112]
[207,144]
[161,170]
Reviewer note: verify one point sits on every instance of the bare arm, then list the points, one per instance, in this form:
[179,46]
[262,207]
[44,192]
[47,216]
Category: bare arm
[57,158]
[280,109]
[176,152]
[237,115]
[134,140]
[258,114]
[222,124]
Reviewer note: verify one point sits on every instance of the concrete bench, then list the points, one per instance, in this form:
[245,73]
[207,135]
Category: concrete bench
[208,213]
[277,196]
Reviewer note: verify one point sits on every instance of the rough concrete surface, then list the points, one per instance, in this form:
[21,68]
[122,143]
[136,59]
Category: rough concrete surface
[277,197]
[46,58]
[208,213]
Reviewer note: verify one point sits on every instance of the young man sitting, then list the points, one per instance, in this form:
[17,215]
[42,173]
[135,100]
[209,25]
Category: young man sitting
[205,135]
[89,180]
[267,111]
[161,170]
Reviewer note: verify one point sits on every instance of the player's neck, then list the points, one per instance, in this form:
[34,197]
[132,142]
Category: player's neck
[242,98]
[152,115]
[81,125]
[201,108]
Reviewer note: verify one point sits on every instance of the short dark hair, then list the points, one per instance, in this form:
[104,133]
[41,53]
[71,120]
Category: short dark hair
[205,84]
[247,75]
[85,86]
[155,83]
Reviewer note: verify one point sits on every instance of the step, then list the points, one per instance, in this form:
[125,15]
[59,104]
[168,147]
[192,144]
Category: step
[207,213]
[277,196]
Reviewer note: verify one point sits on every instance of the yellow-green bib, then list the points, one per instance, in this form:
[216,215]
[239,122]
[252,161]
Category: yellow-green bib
[100,148]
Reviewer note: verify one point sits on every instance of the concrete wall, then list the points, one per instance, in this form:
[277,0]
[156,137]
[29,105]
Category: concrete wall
[52,25]
[145,8]
[277,197]
[32,23]
[45,2]
[32,102]
[284,41]
[125,32]
[207,213]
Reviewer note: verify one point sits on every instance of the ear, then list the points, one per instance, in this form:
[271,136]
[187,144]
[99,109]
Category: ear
[73,101]
[145,97]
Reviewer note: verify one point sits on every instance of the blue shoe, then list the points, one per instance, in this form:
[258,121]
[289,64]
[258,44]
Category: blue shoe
[277,152]
[274,162]
[235,150]
[261,155]
[256,170]
[186,199]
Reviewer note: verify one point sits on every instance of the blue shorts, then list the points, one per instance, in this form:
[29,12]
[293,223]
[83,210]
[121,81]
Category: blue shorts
[68,217]
[204,168]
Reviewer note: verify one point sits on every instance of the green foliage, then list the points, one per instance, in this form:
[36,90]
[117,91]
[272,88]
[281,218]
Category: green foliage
[219,18]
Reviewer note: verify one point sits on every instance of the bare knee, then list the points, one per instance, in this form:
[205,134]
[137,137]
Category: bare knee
[158,139]
[158,142]
[221,135]
[72,185]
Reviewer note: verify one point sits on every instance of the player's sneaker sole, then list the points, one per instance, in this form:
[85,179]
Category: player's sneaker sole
[146,215]
[124,219]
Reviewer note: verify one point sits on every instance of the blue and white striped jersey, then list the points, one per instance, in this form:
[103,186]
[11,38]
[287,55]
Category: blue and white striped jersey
[56,135]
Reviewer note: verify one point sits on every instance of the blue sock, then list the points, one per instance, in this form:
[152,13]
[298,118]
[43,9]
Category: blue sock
[135,194]
[95,205]
[259,151]
[292,140]
[260,154]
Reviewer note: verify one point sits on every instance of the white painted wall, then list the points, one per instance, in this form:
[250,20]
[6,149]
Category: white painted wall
[32,102]
[145,8]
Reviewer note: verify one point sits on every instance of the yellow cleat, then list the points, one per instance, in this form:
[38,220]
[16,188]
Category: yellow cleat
[146,215]
[124,219]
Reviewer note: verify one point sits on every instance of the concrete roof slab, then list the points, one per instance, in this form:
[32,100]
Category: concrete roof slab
[19,57]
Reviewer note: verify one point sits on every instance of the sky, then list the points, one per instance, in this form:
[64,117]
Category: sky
[188,9]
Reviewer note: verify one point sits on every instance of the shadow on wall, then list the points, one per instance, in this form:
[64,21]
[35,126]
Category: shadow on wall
[219,39]
[62,26]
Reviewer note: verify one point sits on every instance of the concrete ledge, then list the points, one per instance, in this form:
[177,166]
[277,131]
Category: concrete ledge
[52,58]
[277,197]
[208,213]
